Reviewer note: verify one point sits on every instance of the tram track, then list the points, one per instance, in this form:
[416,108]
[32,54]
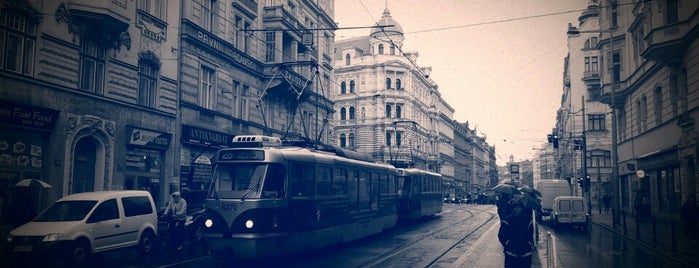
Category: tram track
[406,253]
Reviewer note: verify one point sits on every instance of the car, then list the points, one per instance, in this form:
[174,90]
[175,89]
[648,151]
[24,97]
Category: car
[571,211]
[78,225]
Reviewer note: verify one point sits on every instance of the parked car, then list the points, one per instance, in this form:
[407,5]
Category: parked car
[78,225]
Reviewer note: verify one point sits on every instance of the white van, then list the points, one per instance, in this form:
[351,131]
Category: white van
[549,190]
[80,224]
[569,210]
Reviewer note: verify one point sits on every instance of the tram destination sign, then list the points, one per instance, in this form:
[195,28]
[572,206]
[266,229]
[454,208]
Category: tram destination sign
[241,155]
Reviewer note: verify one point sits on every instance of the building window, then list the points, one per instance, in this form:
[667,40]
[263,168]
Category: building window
[93,58]
[343,88]
[343,114]
[398,111]
[644,113]
[206,89]
[399,138]
[380,48]
[351,113]
[343,140]
[616,63]
[388,138]
[614,14]
[351,86]
[658,105]
[156,8]
[596,122]
[209,15]
[17,39]
[599,158]
[595,64]
[388,110]
[347,59]
[672,11]
[351,140]
[147,83]
[388,83]
[398,85]
[393,49]
[270,47]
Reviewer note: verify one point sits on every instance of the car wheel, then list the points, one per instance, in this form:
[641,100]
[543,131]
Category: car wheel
[80,252]
[147,242]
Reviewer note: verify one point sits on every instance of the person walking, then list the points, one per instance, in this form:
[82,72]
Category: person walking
[690,216]
[503,204]
[176,211]
[516,236]
[606,200]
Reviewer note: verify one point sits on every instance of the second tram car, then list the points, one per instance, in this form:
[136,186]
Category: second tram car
[419,193]
[268,198]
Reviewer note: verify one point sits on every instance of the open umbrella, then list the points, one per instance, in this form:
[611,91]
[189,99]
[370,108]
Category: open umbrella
[531,191]
[506,189]
[33,183]
[527,201]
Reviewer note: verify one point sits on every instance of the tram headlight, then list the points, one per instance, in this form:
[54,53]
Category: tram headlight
[249,224]
[208,223]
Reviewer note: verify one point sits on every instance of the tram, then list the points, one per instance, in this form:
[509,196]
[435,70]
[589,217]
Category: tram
[269,197]
[419,194]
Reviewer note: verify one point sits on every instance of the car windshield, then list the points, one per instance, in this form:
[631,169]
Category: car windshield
[66,211]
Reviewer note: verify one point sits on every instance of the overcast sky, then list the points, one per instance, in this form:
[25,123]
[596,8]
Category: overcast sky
[498,63]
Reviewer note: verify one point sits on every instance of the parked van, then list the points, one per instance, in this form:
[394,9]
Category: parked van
[549,190]
[570,210]
[78,225]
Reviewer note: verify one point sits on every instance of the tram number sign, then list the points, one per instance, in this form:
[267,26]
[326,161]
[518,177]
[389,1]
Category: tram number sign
[242,155]
[229,206]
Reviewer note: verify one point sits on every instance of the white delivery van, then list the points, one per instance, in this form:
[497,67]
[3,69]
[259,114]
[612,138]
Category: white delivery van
[78,225]
[549,190]
[569,210]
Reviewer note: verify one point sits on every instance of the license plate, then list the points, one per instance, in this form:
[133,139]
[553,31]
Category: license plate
[23,248]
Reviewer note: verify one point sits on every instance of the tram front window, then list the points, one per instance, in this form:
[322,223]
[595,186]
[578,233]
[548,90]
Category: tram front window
[248,180]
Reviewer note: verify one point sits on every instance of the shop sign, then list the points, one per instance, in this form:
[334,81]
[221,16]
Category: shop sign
[205,137]
[27,115]
[148,138]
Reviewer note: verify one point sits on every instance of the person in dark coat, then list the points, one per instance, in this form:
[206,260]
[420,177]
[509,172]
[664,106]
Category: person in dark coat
[503,204]
[606,200]
[690,217]
[21,209]
[516,236]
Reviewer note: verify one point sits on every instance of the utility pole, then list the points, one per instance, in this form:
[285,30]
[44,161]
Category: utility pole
[586,189]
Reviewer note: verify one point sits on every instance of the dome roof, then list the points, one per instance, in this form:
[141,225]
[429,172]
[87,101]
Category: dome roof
[386,19]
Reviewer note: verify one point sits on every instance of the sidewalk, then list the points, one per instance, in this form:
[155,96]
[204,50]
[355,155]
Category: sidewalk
[664,236]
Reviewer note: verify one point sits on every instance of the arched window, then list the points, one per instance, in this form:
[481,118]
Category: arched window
[380,48]
[363,115]
[351,140]
[343,114]
[388,83]
[398,84]
[399,137]
[398,111]
[351,113]
[393,49]
[388,138]
[343,88]
[351,86]
[343,141]
[388,110]
[347,59]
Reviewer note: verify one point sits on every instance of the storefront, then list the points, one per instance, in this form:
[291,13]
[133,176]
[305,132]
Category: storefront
[24,152]
[199,145]
[145,153]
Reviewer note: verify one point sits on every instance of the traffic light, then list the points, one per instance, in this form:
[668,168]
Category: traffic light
[581,183]
[550,138]
[555,141]
[586,182]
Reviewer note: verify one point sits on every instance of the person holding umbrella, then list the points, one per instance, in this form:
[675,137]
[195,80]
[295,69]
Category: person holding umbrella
[515,235]
[504,192]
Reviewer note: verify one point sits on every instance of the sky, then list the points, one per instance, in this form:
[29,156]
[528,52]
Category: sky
[498,63]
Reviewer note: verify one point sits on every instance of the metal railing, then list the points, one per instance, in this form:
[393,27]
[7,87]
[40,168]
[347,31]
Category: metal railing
[551,258]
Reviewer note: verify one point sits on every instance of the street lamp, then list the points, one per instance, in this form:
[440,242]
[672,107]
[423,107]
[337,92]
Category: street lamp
[615,166]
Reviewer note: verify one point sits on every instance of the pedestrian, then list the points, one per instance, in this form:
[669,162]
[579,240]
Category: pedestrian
[516,235]
[606,199]
[176,211]
[638,205]
[690,215]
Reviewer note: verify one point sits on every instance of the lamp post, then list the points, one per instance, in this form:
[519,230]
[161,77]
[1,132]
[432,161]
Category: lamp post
[615,167]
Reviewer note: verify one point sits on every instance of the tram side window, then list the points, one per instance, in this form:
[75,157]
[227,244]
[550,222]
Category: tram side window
[274,182]
[353,189]
[340,182]
[324,176]
[302,180]
[384,183]
[392,183]
[364,189]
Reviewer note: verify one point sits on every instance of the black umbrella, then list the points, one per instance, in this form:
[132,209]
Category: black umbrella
[527,201]
[506,189]
[531,191]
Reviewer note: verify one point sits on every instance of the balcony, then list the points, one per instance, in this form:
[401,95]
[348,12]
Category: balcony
[591,78]
[103,21]
[667,43]
[277,17]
